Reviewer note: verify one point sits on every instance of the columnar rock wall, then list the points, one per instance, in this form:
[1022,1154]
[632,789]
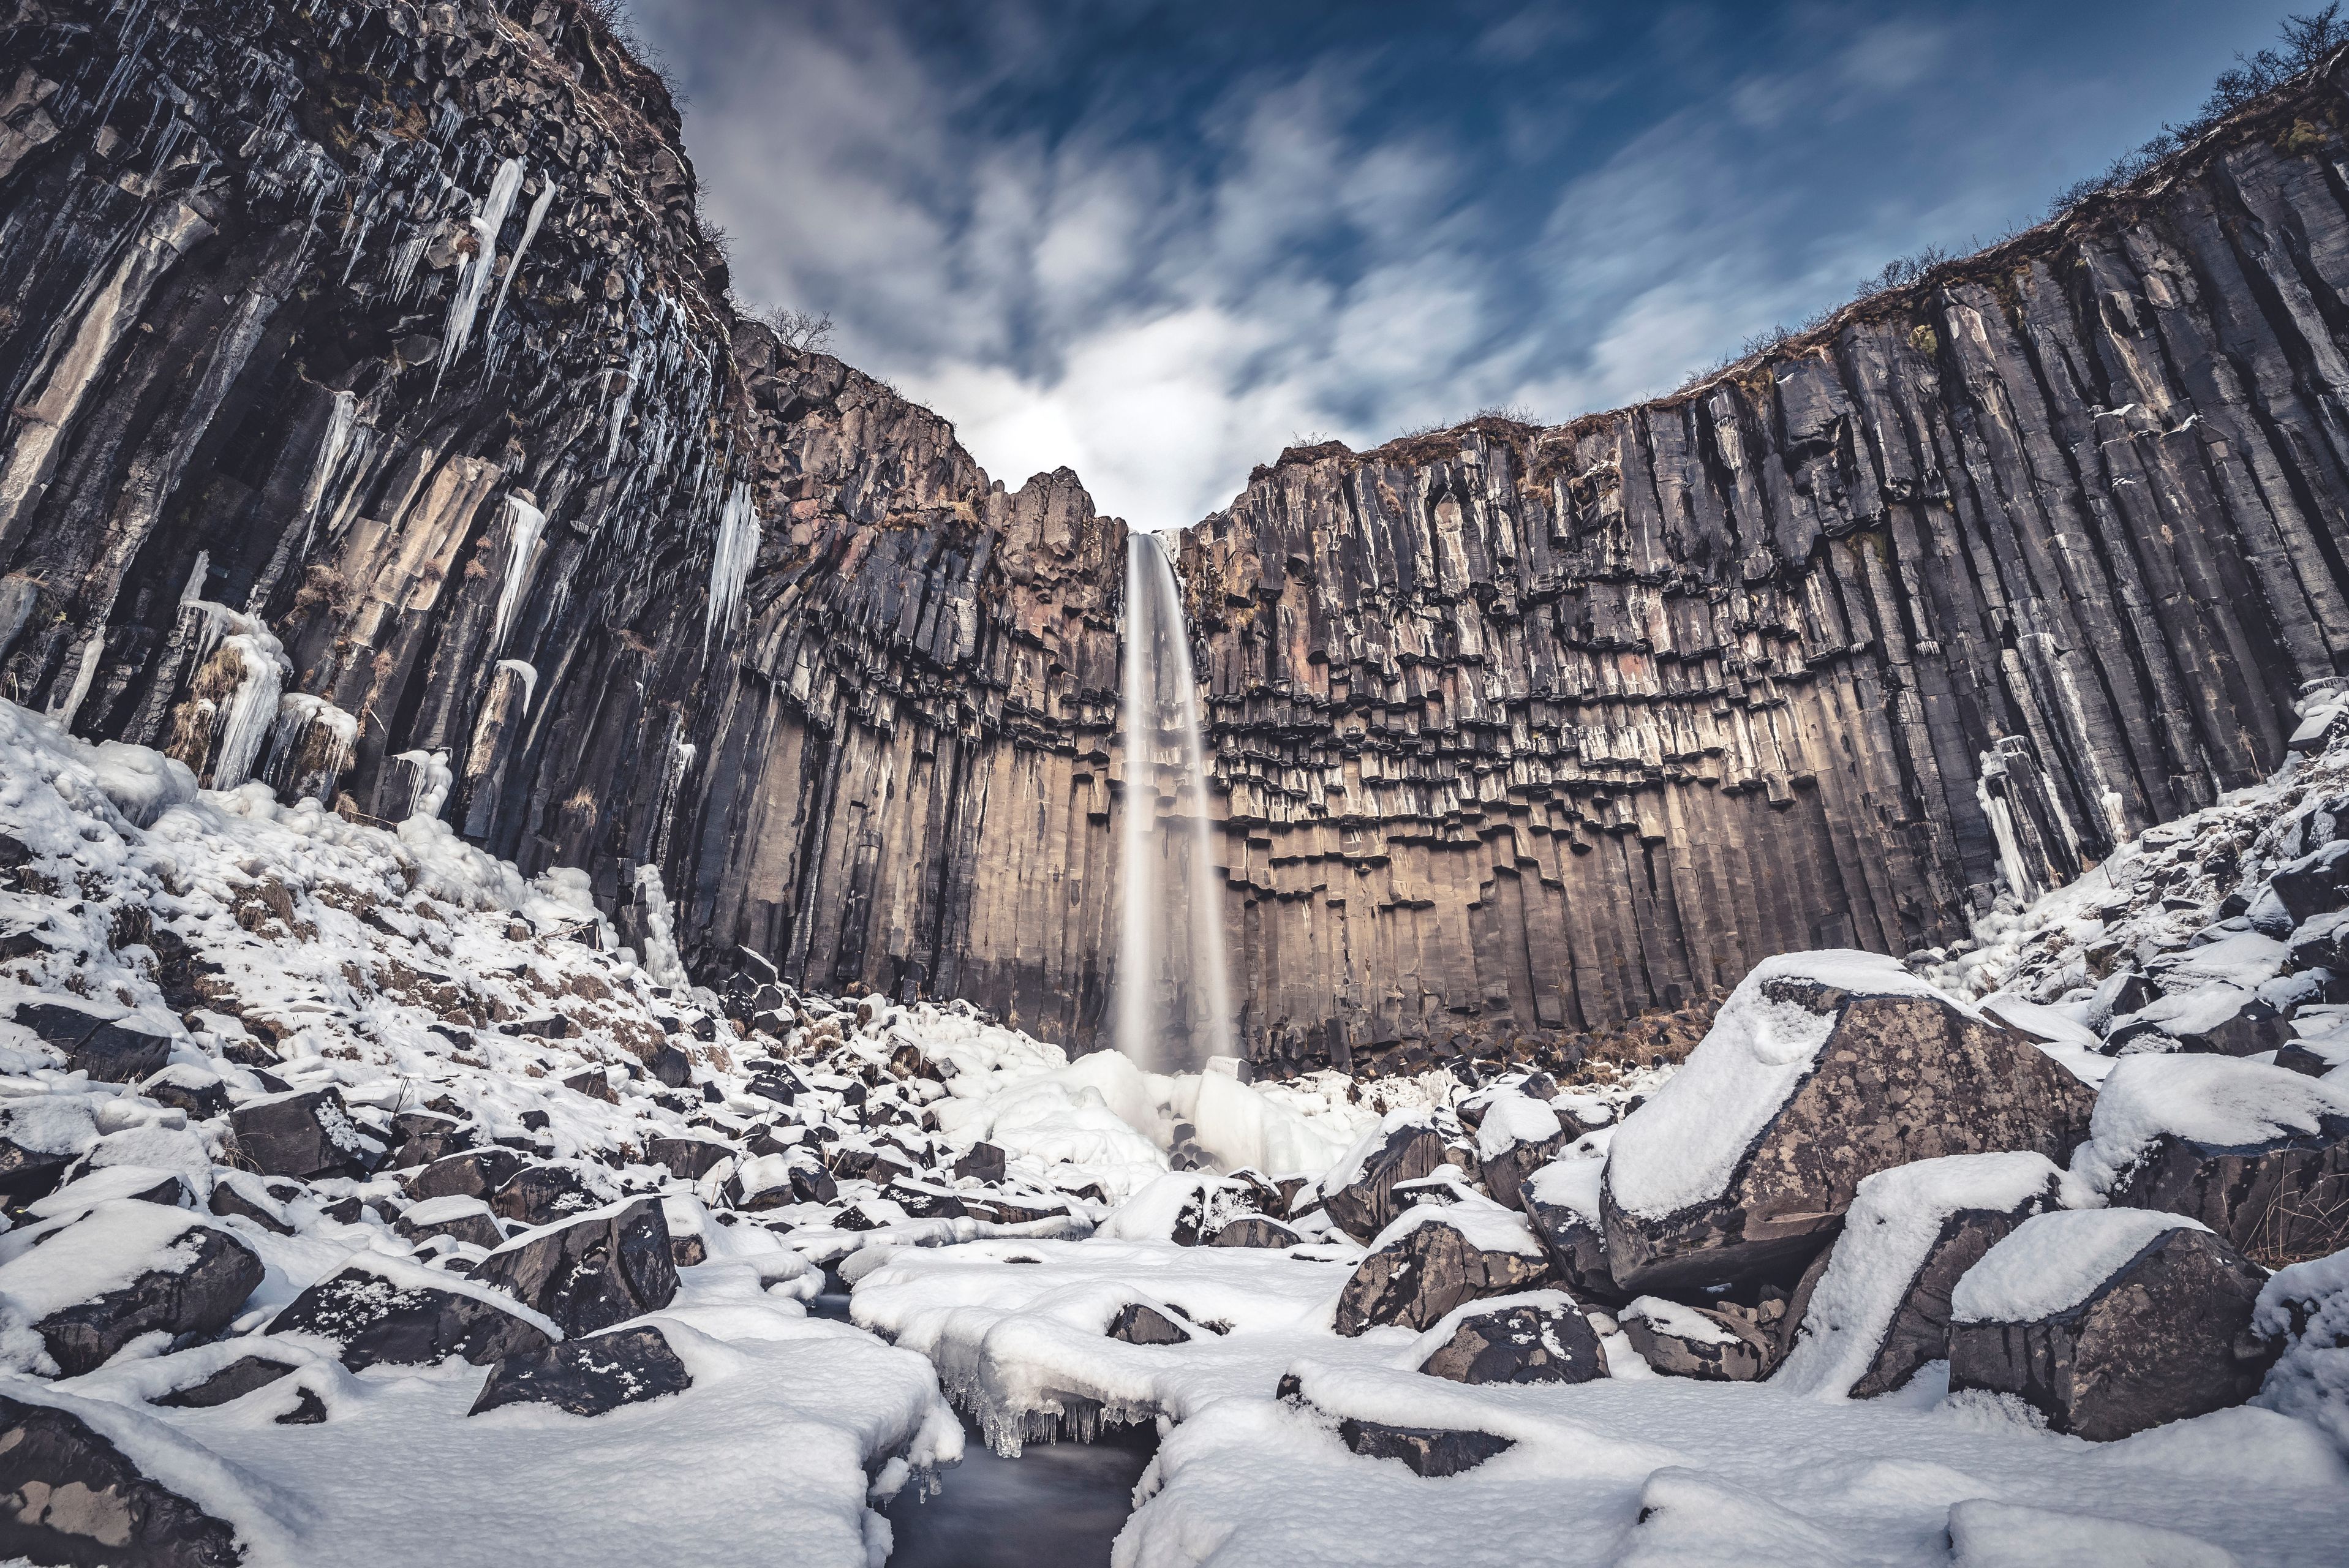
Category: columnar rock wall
[1532,728]
[368,391]
[378,429]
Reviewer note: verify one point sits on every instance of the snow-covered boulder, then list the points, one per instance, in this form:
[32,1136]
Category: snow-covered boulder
[2305,1309]
[1682,1341]
[1432,1259]
[465,1220]
[40,1135]
[125,1270]
[474,1173]
[2259,1154]
[420,1137]
[546,1194]
[1880,1308]
[1821,1069]
[1539,1336]
[2109,1321]
[109,1046]
[233,1381]
[2316,884]
[305,1134]
[1561,1200]
[590,1273]
[1516,1137]
[74,1497]
[386,1310]
[1430,1451]
[1358,1193]
[1139,1322]
[1188,1208]
[240,1195]
[1985,1533]
[587,1377]
[1256,1231]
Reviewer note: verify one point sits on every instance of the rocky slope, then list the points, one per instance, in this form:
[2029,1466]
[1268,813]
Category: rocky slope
[380,427]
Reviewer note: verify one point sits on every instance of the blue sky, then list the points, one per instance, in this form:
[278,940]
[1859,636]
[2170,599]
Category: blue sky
[1153,242]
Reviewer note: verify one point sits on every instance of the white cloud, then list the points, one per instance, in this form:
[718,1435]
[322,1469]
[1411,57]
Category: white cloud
[1162,310]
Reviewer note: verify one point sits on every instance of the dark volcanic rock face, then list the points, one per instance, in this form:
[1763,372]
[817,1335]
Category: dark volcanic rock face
[375,407]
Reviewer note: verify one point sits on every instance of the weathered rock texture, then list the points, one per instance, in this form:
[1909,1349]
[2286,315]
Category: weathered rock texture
[378,425]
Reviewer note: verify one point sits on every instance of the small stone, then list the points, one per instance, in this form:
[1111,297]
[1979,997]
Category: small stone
[1542,1339]
[1427,1450]
[1692,1342]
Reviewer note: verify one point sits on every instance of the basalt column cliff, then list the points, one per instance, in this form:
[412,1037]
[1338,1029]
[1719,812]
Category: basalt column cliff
[1533,729]
[379,430]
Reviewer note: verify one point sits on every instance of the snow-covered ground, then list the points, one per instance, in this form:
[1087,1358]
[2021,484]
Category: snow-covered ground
[999,1208]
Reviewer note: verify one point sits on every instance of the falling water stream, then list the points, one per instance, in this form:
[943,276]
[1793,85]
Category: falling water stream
[1174,990]
[1060,1505]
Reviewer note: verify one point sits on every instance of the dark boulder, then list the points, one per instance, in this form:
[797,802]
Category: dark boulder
[107,1050]
[596,1083]
[2316,884]
[2222,1020]
[1363,1203]
[587,1377]
[1836,1066]
[543,1195]
[475,1173]
[421,1137]
[687,1159]
[2259,1154]
[1692,1342]
[1427,1450]
[1452,1256]
[181,1275]
[384,1311]
[1919,1227]
[1255,1231]
[981,1162]
[239,1195]
[69,1496]
[593,1272]
[233,1381]
[1560,1200]
[1541,1340]
[1517,1135]
[39,1138]
[1137,1324]
[2109,1321]
[202,1095]
[308,1134]
[465,1220]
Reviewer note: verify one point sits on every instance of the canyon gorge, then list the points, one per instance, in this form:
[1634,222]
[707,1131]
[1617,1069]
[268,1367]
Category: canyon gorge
[380,427]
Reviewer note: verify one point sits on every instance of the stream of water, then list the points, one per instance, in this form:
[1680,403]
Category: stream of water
[1058,1505]
[1174,988]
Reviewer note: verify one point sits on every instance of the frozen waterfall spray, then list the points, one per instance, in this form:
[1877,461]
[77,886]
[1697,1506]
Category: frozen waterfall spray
[1174,992]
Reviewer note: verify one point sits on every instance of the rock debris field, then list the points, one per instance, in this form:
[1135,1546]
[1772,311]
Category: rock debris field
[366,1201]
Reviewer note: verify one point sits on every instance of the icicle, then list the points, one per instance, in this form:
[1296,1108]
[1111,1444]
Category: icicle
[538,207]
[524,522]
[620,406]
[526,673]
[310,747]
[429,781]
[243,714]
[62,711]
[660,960]
[330,454]
[729,561]
[474,272]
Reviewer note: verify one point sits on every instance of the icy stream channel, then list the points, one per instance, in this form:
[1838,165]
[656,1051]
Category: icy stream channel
[1058,1505]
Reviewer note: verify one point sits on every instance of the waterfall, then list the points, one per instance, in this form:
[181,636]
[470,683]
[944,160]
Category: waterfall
[1174,992]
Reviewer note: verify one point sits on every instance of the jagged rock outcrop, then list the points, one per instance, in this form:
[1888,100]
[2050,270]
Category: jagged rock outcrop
[380,427]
